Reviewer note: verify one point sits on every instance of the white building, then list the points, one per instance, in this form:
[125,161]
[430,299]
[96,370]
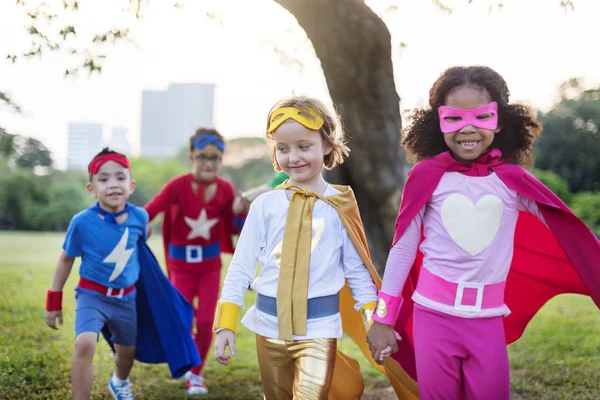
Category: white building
[170,117]
[119,142]
[84,142]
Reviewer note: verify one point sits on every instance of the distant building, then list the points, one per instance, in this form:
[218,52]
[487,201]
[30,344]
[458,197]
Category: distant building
[118,140]
[84,142]
[170,117]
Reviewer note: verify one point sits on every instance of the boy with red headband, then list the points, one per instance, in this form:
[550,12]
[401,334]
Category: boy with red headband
[122,290]
[201,213]
[105,236]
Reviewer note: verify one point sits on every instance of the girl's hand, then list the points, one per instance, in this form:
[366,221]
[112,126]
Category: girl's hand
[385,353]
[383,341]
[51,318]
[224,338]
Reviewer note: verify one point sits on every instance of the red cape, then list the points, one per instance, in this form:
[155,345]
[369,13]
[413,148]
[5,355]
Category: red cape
[561,258]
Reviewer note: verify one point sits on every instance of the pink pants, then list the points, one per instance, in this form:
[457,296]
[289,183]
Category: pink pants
[457,356]
[204,285]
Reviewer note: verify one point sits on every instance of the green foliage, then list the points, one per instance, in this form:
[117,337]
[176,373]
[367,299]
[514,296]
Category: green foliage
[254,172]
[151,176]
[570,143]
[6,101]
[52,28]
[556,183]
[23,152]
[20,191]
[7,146]
[247,141]
[47,202]
[66,197]
[32,153]
[587,207]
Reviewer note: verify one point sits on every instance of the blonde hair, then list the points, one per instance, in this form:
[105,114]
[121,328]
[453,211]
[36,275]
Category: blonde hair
[331,132]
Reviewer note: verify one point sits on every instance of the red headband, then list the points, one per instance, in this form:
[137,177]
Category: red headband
[104,158]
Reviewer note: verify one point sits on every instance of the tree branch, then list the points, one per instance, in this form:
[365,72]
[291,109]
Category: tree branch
[4,98]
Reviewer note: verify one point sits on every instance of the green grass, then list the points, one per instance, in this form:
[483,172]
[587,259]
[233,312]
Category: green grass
[557,358]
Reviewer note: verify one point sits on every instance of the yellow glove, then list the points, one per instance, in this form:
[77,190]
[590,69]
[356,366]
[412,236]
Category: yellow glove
[226,316]
[367,314]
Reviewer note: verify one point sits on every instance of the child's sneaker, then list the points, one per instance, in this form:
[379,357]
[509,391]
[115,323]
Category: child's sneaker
[195,384]
[120,392]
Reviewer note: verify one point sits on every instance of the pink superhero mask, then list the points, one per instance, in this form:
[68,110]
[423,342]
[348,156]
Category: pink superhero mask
[454,119]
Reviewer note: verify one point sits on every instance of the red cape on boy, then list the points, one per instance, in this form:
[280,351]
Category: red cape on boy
[561,258]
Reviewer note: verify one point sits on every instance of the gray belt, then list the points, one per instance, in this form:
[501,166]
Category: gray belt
[318,307]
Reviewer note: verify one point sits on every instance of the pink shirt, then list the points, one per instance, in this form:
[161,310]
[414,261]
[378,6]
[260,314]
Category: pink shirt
[469,226]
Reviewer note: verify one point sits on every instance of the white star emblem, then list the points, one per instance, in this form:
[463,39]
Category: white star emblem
[119,256]
[200,227]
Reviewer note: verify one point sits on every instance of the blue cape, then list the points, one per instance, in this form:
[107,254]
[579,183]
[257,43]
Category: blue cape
[164,319]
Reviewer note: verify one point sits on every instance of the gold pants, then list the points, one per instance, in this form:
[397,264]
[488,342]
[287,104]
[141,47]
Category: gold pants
[299,370]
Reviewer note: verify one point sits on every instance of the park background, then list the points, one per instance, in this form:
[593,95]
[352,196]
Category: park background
[256,52]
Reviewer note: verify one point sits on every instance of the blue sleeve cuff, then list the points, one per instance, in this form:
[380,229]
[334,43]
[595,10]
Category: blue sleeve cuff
[238,222]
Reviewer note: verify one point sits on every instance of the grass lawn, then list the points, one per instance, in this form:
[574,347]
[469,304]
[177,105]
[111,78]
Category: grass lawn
[557,358]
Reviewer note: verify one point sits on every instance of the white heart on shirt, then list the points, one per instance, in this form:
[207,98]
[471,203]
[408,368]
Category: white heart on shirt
[472,227]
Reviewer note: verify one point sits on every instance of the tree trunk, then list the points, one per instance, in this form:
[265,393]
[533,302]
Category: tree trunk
[354,47]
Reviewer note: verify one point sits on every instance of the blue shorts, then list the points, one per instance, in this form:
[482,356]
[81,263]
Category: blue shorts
[94,310]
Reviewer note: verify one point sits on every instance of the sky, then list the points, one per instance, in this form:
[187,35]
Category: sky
[534,44]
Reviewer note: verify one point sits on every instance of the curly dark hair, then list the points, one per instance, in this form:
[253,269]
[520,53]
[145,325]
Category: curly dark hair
[422,138]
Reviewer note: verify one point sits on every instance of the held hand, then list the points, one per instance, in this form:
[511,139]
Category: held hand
[51,319]
[385,353]
[383,341]
[241,205]
[252,193]
[224,338]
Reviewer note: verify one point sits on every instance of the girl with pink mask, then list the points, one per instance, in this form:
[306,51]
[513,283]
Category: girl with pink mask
[480,244]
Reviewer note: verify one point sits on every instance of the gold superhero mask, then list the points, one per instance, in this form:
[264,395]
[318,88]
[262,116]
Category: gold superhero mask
[308,118]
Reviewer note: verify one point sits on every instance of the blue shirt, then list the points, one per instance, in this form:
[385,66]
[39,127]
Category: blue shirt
[108,251]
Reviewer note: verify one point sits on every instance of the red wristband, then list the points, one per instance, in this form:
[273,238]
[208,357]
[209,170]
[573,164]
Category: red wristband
[54,301]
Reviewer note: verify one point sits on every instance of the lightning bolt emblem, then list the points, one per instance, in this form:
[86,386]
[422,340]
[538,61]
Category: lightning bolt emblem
[318,227]
[119,256]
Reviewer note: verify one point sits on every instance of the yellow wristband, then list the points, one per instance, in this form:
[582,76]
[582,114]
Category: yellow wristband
[226,316]
[367,314]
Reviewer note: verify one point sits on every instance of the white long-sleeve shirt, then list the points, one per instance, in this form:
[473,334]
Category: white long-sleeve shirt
[333,261]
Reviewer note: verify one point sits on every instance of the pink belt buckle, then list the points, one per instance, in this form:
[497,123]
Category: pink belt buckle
[458,305]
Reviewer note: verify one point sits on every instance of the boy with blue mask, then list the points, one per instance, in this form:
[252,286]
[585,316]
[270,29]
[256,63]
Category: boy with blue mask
[201,214]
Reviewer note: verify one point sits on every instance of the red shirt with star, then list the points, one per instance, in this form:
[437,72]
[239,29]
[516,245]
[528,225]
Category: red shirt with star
[191,220]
